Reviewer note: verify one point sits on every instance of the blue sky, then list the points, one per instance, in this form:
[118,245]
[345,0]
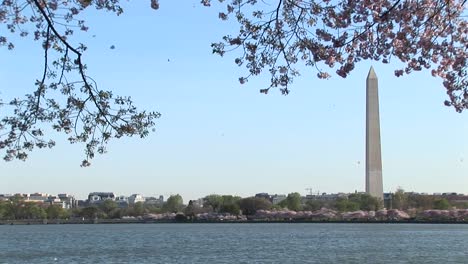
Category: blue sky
[217,136]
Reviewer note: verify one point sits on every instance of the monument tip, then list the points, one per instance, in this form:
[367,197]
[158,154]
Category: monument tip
[371,74]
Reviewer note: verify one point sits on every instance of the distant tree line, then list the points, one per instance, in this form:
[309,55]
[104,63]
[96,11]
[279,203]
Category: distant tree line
[403,201]
[16,208]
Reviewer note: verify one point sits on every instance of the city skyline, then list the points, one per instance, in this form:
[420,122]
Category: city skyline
[43,197]
[217,136]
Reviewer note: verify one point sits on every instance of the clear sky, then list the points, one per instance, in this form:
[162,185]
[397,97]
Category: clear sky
[217,136]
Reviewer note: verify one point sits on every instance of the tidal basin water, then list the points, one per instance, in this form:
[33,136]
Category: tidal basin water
[235,243]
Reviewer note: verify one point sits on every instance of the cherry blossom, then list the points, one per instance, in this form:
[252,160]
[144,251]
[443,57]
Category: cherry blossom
[65,96]
[274,36]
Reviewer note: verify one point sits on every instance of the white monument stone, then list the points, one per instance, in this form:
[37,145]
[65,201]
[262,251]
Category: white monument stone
[374,184]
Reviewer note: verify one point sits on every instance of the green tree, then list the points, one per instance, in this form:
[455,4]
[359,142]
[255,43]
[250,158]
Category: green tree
[420,201]
[441,204]
[10,211]
[116,213]
[230,199]
[153,209]
[190,210]
[56,212]
[231,208]
[14,208]
[313,205]
[32,211]
[229,204]
[213,201]
[108,206]
[366,201]
[139,209]
[173,204]
[75,212]
[3,210]
[345,205]
[400,199]
[250,205]
[293,201]
[7,210]
[90,212]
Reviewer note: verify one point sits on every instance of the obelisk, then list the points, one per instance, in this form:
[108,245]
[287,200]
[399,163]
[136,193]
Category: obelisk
[374,184]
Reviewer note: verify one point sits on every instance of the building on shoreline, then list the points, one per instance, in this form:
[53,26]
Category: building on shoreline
[63,200]
[99,197]
[274,199]
[155,201]
[96,198]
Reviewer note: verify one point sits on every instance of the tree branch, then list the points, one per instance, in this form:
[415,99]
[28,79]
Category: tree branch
[77,61]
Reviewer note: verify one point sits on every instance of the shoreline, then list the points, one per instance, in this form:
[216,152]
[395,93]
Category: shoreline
[142,221]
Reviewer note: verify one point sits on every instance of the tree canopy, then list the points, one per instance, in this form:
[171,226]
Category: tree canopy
[64,96]
[250,205]
[337,34]
[274,37]
[173,204]
[366,201]
[222,203]
[292,202]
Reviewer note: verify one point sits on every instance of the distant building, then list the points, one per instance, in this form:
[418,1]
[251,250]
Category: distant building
[63,200]
[135,198]
[122,201]
[24,196]
[326,196]
[155,201]
[274,199]
[55,200]
[82,203]
[265,196]
[99,197]
[37,197]
[277,198]
[68,200]
[455,197]
[198,203]
[388,200]
[450,194]
[5,197]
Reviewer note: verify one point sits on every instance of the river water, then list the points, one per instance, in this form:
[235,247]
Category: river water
[235,243]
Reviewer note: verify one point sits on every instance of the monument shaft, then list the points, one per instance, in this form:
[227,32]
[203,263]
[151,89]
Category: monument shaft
[374,185]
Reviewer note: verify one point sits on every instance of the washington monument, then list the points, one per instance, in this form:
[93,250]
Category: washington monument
[374,184]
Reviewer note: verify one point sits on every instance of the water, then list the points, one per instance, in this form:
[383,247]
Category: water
[234,243]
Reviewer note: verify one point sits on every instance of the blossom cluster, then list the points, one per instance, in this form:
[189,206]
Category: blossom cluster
[65,97]
[422,34]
